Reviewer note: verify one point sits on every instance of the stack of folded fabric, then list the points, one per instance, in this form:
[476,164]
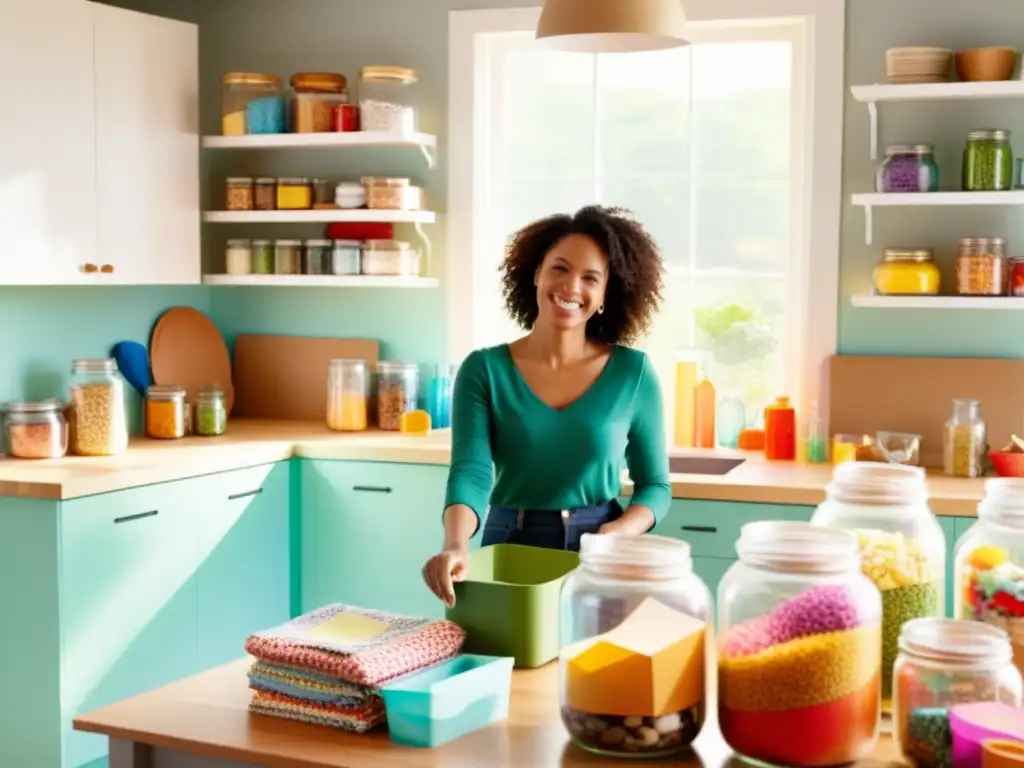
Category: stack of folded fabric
[327,666]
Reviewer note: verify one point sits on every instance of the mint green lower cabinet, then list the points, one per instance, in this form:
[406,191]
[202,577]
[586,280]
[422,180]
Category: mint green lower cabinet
[713,527]
[367,528]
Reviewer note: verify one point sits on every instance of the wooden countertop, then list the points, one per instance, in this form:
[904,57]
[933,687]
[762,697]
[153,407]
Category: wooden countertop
[249,443]
[207,715]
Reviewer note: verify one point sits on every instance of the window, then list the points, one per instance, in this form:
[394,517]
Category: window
[711,146]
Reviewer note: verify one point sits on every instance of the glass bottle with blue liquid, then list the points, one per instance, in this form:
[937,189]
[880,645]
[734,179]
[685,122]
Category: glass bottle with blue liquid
[439,396]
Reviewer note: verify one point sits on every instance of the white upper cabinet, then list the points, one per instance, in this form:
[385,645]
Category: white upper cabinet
[147,148]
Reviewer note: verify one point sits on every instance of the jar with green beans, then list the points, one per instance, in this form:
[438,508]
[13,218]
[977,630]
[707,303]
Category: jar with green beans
[211,413]
[988,161]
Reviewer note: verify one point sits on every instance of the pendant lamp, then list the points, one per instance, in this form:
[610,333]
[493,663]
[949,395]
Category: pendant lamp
[611,26]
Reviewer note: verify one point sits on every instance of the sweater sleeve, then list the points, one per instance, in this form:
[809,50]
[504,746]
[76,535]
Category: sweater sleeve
[646,455]
[471,475]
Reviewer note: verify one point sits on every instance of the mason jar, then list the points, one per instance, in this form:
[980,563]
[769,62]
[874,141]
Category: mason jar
[634,632]
[165,413]
[988,161]
[908,168]
[36,430]
[799,649]
[210,412]
[398,388]
[99,426]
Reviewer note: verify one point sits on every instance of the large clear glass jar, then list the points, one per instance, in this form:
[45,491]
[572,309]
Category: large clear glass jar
[347,386]
[942,663]
[902,547]
[390,257]
[634,636]
[908,168]
[988,161]
[388,99]
[799,651]
[165,413]
[252,103]
[964,439]
[98,426]
[989,563]
[36,430]
[981,266]
[210,412]
[398,387]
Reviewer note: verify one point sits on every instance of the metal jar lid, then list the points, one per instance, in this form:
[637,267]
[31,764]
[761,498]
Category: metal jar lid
[51,405]
[989,134]
[909,149]
[982,242]
[909,254]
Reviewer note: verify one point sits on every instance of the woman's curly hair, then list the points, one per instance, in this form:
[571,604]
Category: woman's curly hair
[635,270]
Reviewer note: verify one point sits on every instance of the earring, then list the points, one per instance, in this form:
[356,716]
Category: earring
[600,310]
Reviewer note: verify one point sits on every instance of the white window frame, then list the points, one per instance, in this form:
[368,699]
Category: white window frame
[811,334]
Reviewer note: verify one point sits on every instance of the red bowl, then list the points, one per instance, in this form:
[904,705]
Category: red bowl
[1007,464]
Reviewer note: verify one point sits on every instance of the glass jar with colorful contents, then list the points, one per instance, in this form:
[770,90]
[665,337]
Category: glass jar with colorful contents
[943,663]
[907,272]
[989,563]
[634,633]
[252,102]
[211,413]
[799,651]
[988,161]
[908,168]
[902,547]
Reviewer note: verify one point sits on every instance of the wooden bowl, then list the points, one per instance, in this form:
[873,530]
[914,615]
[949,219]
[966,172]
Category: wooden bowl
[986,64]
[1007,464]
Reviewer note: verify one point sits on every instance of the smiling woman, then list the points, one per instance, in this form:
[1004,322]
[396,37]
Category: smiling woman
[541,427]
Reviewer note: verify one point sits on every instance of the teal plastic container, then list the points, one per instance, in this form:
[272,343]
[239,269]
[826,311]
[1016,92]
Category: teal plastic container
[509,605]
[448,700]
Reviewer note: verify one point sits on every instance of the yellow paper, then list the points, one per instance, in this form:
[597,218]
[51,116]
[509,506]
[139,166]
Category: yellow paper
[350,628]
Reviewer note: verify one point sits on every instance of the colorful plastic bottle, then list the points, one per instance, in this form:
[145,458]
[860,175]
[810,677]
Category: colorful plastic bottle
[780,430]
[704,414]
[686,388]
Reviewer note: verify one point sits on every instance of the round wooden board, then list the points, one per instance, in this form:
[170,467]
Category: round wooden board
[187,350]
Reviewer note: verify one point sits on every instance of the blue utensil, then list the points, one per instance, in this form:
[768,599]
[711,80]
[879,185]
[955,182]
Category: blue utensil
[133,362]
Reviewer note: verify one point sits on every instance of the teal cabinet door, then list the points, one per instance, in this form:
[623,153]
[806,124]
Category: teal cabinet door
[244,576]
[367,529]
[128,600]
[713,527]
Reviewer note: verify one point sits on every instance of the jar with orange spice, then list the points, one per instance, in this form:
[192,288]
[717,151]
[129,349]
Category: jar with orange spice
[165,413]
[981,266]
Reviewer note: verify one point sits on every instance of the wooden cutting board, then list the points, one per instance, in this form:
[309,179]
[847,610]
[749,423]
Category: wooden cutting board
[285,377]
[187,350]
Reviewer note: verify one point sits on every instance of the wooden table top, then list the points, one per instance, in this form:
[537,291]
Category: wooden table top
[208,715]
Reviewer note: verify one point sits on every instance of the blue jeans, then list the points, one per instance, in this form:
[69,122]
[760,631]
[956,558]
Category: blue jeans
[550,529]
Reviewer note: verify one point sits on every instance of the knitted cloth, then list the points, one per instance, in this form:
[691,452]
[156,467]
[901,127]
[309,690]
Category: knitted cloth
[309,686]
[357,645]
[356,719]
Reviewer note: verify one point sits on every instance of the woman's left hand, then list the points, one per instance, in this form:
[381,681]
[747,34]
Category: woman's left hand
[635,521]
[615,526]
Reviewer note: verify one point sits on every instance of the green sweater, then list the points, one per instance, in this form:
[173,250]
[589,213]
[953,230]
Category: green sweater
[510,449]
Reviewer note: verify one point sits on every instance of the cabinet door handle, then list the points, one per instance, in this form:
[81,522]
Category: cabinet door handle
[372,488]
[106,269]
[137,516]
[699,528]
[234,496]
[89,268]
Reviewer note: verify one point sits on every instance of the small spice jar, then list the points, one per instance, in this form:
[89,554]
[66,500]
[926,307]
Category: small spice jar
[238,257]
[317,257]
[287,257]
[346,257]
[294,194]
[98,423]
[239,194]
[165,413]
[398,387]
[36,430]
[988,161]
[211,413]
[644,586]
[981,266]
[323,193]
[943,663]
[907,272]
[265,194]
[1016,281]
[908,168]
[262,257]
[964,439]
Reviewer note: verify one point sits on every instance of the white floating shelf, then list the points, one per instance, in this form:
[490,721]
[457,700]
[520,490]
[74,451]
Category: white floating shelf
[871,200]
[871,301]
[325,216]
[323,281]
[424,142]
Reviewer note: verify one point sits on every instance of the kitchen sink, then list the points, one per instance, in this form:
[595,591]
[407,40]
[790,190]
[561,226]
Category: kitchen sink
[702,465]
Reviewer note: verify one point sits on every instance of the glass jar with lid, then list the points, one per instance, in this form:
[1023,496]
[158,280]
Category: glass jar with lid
[238,257]
[398,388]
[317,257]
[98,426]
[347,257]
[943,663]
[908,168]
[36,430]
[262,257]
[988,161]
[287,257]
[294,193]
[981,266]
[390,257]
[639,596]
[347,387]
[799,650]
[265,193]
[393,194]
[388,99]
[165,413]
[907,272]
[964,439]
[252,103]
[239,195]
[902,547]
[315,96]
[210,412]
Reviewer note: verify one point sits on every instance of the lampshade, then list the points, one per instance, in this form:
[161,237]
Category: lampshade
[611,26]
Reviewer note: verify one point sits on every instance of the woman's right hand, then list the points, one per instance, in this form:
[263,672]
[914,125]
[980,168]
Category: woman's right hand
[443,570]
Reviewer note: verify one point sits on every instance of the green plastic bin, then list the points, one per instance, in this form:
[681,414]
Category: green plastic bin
[509,604]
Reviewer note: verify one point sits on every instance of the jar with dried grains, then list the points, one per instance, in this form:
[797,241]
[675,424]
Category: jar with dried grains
[262,257]
[99,426]
[165,413]
[317,256]
[392,194]
[346,257]
[964,440]
[398,388]
[294,194]
[388,99]
[211,413]
[618,697]
[238,257]
[316,95]
[265,194]
[390,257]
[252,103]
[908,168]
[239,195]
[36,430]
[287,257]
[902,547]
[799,651]
[988,161]
[981,266]
[907,272]
[347,387]
[943,663]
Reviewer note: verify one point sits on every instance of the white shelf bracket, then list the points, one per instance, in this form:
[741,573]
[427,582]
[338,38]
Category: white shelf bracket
[868,225]
[873,119]
[430,155]
[426,248]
